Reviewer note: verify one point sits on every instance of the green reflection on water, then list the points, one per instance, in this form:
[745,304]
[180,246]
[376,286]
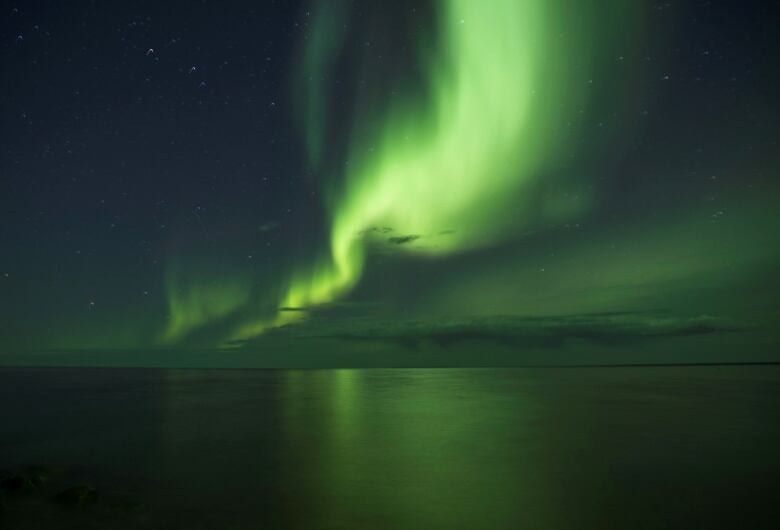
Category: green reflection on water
[411,448]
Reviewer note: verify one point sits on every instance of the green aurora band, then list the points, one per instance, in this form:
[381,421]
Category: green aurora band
[192,305]
[453,172]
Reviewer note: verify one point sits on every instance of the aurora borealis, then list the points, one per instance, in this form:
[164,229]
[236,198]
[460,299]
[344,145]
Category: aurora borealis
[386,183]
[389,264]
[454,171]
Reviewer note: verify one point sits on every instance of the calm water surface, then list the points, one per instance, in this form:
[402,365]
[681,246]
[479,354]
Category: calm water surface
[594,448]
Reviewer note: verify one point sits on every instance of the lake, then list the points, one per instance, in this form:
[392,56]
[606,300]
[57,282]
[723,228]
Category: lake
[538,448]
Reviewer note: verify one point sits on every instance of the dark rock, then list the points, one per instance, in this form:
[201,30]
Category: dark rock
[126,507]
[76,496]
[17,483]
[38,475]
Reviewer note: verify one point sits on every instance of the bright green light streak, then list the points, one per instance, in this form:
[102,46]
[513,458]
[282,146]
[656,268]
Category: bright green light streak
[454,170]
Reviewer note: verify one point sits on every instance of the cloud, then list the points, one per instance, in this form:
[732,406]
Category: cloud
[375,230]
[618,329]
[402,240]
[331,308]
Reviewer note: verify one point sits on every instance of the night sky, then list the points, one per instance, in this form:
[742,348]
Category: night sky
[388,183]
